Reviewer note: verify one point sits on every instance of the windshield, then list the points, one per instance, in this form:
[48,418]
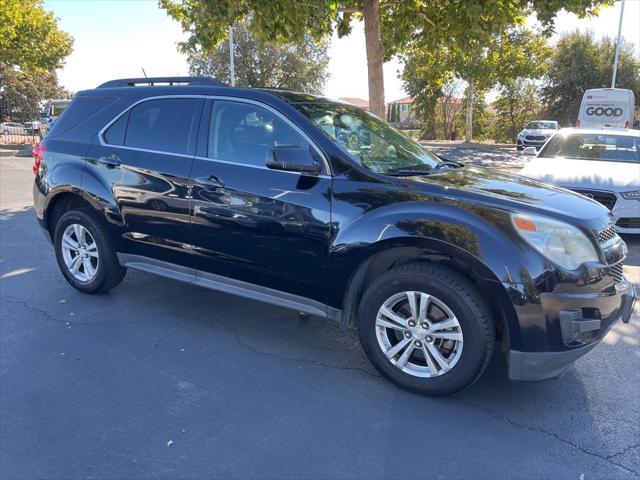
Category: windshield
[59,107]
[541,125]
[614,148]
[370,141]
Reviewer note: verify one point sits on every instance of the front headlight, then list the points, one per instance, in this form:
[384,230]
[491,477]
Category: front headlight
[633,195]
[560,242]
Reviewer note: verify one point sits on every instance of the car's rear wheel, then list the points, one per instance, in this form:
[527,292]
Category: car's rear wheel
[85,252]
[426,328]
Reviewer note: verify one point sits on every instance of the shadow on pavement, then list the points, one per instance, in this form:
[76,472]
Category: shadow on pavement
[163,378]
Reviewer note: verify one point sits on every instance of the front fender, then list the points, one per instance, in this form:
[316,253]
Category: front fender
[476,238]
[478,234]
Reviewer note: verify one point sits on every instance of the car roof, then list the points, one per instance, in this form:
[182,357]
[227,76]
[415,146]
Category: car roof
[599,131]
[161,86]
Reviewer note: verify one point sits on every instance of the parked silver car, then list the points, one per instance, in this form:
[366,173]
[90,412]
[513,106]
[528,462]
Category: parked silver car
[12,128]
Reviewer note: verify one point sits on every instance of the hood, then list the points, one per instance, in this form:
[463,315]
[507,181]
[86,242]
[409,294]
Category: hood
[512,192]
[599,175]
[537,131]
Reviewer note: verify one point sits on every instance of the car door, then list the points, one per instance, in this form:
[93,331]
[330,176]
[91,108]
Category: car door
[265,227]
[145,155]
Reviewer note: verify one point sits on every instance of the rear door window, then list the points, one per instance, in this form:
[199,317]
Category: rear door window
[163,125]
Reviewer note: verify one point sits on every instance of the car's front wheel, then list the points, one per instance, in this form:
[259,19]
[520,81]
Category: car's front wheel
[85,252]
[426,328]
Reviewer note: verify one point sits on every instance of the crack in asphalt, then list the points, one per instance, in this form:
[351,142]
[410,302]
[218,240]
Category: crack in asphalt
[309,361]
[49,317]
[234,331]
[606,458]
[624,450]
[241,342]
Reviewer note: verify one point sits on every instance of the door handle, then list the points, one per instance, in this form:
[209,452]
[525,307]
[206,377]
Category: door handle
[210,181]
[110,161]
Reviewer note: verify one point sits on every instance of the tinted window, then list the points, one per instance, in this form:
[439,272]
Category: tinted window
[79,111]
[166,125]
[244,133]
[114,135]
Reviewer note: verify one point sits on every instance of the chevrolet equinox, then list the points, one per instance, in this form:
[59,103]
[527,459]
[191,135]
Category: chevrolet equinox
[321,207]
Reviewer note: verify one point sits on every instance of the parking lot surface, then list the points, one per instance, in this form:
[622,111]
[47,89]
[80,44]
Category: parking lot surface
[159,379]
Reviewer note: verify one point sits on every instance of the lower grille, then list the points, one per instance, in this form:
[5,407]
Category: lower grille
[628,222]
[607,199]
[616,271]
[606,234]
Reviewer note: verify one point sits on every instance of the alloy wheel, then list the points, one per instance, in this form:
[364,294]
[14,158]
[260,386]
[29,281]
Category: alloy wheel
[80,252]
[419,334]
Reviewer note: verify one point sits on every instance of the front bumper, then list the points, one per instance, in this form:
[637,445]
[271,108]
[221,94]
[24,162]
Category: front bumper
[580,334]
[524,142]
[626,213]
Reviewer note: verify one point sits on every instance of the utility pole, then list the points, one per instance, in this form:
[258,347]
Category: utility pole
[615,60]
[232,67]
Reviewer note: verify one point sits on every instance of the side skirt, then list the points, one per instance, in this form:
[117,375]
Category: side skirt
[229,285]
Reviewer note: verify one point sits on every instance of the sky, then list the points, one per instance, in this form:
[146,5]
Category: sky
[117,38]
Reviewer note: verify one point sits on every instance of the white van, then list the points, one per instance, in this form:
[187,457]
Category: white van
[606,108]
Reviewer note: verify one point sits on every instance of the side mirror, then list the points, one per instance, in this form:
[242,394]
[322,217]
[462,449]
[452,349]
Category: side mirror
[530,151]
[293,159]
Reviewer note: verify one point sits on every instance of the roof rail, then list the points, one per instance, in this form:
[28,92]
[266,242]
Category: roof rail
[133,82]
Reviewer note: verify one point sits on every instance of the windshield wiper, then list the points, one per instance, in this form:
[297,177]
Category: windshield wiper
[414,170]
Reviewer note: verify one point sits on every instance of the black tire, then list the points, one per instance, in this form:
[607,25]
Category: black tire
[109,272]
[460,296]
[5,132]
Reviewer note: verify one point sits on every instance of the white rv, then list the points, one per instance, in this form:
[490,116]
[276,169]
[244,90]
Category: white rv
[606,108]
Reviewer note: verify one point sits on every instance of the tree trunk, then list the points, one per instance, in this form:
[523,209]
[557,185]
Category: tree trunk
[468,136]
[375,56]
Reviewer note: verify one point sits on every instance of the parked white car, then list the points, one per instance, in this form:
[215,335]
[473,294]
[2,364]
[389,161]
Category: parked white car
[603,165]
[536,133]
[11,128]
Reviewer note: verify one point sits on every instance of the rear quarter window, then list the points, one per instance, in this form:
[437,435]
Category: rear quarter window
[80,110]
[165,125]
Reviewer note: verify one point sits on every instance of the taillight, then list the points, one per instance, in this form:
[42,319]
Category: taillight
[627,124]
[578,123]
[38,154]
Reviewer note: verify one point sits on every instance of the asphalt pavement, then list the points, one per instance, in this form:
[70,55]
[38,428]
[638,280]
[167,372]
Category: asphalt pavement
[159,379]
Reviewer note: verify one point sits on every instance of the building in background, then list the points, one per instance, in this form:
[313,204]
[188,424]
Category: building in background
[401,113]
[357,102]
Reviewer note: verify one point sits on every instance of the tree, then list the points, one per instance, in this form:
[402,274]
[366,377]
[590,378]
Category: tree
[31,48]
[448,111]
[513,53]
[29,37]
[390,25]
[23,92]
[298,66]
[578,63]
[517,105]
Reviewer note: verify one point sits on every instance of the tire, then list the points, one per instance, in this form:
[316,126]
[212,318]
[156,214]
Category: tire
[5,132]
[103,272]
[467,348]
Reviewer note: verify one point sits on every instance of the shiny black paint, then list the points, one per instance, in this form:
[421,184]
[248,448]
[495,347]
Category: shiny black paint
[311,235]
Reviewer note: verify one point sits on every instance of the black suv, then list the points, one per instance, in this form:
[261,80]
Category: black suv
[323,208]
